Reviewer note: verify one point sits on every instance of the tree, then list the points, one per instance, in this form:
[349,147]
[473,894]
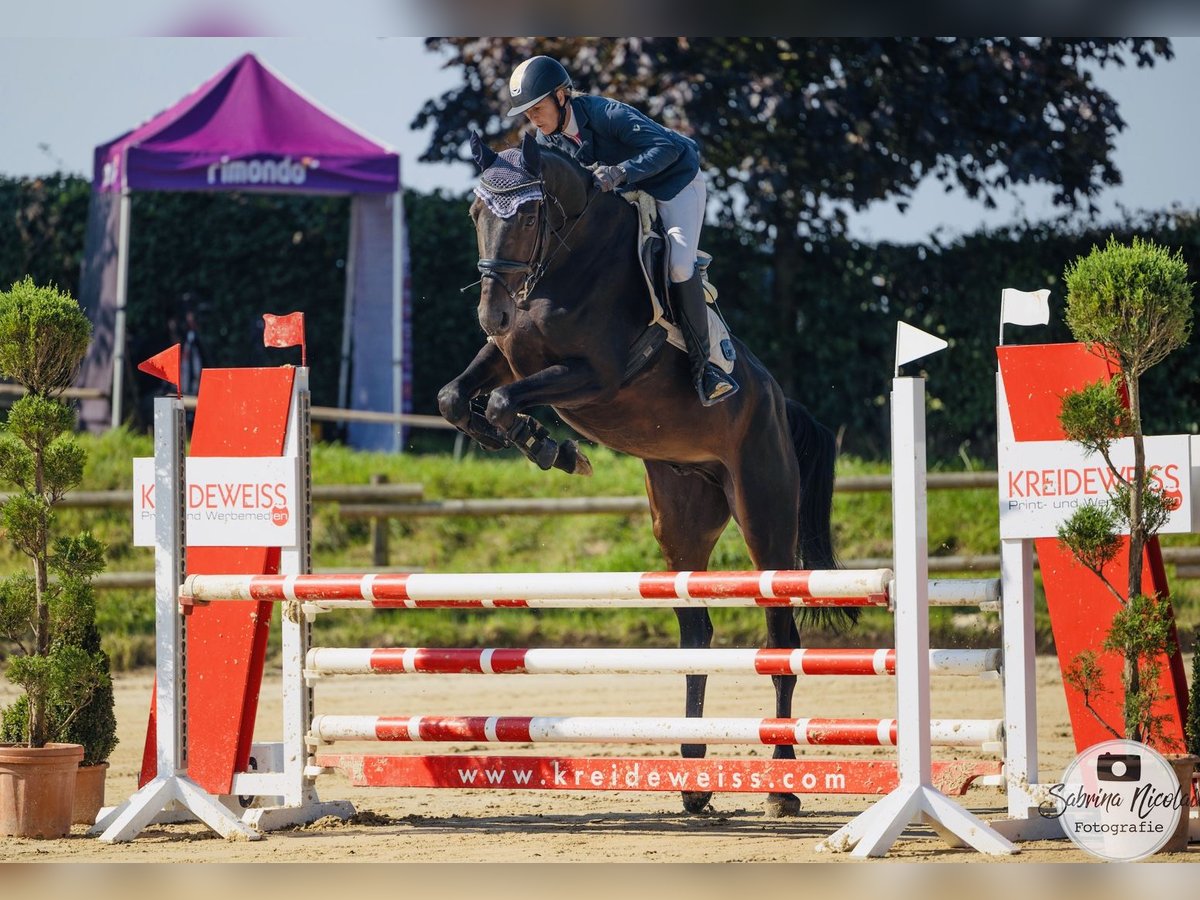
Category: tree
[43,336]
[1134,303]
[797,131]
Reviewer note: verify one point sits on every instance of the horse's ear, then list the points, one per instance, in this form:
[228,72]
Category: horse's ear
[531,154]
[483,155]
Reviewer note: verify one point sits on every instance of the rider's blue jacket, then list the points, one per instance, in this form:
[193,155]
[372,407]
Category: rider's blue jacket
[656,160]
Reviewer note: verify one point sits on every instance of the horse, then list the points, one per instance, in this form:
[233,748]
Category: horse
[562,302]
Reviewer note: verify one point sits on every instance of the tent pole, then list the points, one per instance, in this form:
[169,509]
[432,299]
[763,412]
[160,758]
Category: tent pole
[398,313]
[118,362]
[348,308]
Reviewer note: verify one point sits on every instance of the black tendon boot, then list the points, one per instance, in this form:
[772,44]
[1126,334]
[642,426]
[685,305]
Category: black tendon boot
[712,384]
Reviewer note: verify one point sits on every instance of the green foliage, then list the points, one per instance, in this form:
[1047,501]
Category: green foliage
[1153,512]
[1095,416]
[443,253]
[1091,535]
[1142,627]
[43,337]
[1134,300]
[238,255]
[51,622]
[42,224]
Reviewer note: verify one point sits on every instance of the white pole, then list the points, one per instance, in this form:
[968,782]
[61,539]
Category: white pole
[169,563]
[171,783]
[118,356]
[348,308]
[296,630]
[290,785]
[910,537]
[915,799]
[1019,673]
[398,314]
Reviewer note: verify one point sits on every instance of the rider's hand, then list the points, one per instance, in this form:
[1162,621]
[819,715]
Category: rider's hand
[609,177]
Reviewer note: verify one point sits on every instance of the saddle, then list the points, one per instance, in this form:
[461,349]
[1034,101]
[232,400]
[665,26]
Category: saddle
[652,255]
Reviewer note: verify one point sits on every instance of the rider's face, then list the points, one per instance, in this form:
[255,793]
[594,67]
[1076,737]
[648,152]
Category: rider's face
[544,113]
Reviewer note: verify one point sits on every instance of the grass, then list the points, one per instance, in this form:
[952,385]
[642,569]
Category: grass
[960,522]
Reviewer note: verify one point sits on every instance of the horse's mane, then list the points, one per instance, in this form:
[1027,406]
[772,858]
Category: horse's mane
[573,163]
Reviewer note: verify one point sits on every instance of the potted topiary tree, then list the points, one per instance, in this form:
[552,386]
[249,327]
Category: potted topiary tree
[47,615]
[1134,303]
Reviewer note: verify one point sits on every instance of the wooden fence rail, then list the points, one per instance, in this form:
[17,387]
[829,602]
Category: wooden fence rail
[381,501]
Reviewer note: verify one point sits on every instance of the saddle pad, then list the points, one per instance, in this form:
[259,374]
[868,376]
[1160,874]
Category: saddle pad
[718,331]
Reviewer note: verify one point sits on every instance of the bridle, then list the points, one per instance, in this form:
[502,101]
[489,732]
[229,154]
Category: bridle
[539,259]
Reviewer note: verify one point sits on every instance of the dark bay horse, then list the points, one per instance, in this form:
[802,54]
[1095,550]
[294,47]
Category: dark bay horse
[562,302]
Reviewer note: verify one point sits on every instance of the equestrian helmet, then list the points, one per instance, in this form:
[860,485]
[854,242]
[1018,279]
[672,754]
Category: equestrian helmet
[534,80]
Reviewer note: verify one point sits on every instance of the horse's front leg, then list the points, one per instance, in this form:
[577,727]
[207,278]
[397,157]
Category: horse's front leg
[487,371]
[573,381]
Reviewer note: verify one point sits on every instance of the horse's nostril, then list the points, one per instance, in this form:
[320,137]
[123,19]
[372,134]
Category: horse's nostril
[494,322]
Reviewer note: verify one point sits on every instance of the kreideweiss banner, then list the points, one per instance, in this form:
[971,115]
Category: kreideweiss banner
[1043,482]
[231,502]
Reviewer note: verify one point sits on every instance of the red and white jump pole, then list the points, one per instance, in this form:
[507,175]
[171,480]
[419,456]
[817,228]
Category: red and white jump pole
[579,590]
[867,587]
[553,661]
[644,730]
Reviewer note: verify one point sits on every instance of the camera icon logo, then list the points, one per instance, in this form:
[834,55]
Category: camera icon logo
[1118,800]
[1119,767]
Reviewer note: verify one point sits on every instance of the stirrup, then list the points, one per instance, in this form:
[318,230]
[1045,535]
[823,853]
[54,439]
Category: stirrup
[714,385]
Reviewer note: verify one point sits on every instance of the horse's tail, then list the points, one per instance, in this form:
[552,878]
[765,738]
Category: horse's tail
[816,452]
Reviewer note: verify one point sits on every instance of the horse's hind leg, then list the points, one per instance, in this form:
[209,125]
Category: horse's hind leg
[766,497]
[689,513]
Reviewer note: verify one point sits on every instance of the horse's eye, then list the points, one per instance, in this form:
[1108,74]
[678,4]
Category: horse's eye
[529,220]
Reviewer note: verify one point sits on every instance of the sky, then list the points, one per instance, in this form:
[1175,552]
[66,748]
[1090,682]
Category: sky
[61,96]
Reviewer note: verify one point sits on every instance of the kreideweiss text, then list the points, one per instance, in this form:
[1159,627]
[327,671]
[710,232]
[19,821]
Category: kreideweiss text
[1088,481]
[237,495]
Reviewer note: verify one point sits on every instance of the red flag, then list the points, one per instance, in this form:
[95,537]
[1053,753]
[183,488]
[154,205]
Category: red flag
[164,365]
[285,331]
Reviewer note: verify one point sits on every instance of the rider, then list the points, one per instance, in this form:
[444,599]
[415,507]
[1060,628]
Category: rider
[632,151]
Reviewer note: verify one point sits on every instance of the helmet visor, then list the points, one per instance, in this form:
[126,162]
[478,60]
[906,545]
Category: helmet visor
[517,110]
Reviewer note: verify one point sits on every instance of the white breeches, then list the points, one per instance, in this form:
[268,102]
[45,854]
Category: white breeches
[683,217]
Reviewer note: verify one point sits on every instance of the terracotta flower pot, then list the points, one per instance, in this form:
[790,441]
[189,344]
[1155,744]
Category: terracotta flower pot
[1183,766]
[37,789]
[89,793]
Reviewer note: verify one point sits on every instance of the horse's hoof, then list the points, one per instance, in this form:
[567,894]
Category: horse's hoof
[782,806]
[695,801]
[583,465]
[500,411]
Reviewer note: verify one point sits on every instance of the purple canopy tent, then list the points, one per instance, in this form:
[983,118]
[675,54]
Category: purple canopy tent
[247,129]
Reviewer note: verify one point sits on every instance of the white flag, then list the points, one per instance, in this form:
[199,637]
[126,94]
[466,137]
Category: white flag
[1024,307]
[913,343]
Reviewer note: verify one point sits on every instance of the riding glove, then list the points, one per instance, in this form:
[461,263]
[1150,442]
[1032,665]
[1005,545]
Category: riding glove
[609,177]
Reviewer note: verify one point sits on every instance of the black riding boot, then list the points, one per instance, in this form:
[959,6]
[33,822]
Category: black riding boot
[712,384]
